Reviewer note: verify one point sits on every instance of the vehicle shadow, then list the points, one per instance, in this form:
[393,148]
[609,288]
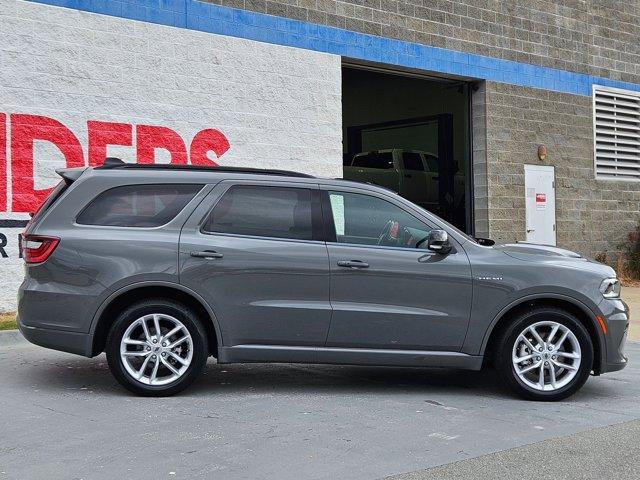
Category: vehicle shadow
[75,373]
[289,379]
[70,373]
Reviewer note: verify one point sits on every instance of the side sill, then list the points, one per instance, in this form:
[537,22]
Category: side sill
[348,356]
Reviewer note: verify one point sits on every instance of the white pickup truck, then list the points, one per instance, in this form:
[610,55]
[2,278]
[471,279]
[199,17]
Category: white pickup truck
[411,173]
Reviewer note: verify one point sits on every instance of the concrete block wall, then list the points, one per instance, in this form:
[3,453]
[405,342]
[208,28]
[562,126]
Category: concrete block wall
[277,106]
[596,37]
[592,216]
[524,105]
[479,165]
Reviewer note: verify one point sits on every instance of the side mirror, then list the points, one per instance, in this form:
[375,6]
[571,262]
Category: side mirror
[438,241]
[487,242]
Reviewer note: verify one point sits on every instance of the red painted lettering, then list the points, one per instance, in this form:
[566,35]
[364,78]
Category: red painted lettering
[3,162]
[150,137]
[206,141]
[18,143]
[25,129]
[102,134]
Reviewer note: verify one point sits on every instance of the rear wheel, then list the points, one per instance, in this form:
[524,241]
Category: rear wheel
[156,348]
[545,354]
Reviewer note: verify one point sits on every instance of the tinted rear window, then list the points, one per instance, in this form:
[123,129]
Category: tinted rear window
[138,205]
[278,212]
[383,161]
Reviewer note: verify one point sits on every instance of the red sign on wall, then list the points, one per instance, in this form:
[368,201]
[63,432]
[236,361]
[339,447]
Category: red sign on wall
[26,129]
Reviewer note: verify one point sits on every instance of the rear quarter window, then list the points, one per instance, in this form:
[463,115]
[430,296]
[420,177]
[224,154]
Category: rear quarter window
[50,200]
[138,205]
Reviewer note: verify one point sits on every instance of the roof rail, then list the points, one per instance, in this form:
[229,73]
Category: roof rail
[112,163]
[367,183]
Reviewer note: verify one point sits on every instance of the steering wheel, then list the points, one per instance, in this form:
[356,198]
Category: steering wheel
[385,232]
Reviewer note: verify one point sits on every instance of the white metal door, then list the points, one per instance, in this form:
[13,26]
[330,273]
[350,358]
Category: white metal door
[540,192]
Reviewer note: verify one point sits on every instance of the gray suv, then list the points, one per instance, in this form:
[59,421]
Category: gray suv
[162,266]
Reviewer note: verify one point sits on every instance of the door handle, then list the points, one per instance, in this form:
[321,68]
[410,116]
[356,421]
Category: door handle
[208,254]
[352,264]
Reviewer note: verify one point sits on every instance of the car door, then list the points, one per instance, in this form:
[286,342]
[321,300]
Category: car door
[385,292]
[430,163]
[375,167]
[414,180]
[253,251]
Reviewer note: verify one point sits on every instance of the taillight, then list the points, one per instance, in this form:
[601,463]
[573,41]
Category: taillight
[37,248]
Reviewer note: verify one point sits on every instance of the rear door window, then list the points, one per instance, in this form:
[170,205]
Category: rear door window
[138,205]
[412,161]
[263,211]
[432,162]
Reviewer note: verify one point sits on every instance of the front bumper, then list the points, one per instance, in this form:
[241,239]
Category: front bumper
[72,342]
[616,317]
[613,367]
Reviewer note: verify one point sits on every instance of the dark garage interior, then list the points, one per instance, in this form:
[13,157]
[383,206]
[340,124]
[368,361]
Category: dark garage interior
[410,134]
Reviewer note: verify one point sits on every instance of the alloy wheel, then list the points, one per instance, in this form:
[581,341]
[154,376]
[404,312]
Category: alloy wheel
[156,349]
[546,356]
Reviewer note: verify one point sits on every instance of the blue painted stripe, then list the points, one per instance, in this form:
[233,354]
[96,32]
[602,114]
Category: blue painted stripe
[207,17]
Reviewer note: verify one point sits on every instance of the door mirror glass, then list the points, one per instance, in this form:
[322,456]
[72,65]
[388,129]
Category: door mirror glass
[438,242]
[487,242]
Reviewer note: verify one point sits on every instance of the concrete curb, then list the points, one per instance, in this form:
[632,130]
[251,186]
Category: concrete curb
[11,337]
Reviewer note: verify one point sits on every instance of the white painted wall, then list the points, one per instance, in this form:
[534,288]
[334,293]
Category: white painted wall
[279,107]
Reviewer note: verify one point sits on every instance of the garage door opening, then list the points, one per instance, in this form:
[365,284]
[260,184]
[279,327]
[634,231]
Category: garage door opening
[409,134]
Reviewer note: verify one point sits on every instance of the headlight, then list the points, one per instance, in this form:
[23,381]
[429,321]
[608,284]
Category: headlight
[610,288]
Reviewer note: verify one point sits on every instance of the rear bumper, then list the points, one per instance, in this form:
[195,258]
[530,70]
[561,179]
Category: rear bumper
[54,318]
[71,342]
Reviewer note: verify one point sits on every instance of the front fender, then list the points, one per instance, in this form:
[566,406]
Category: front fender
[475,346]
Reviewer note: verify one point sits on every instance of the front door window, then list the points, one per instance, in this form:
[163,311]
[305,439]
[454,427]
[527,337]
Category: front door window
[366,220]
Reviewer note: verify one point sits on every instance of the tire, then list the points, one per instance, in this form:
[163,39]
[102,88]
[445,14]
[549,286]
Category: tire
[566,381]
[189,343]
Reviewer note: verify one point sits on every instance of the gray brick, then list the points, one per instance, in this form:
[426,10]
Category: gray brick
[590,37]
[562,123]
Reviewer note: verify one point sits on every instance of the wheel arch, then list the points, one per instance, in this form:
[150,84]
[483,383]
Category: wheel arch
[107,312]
[582,312]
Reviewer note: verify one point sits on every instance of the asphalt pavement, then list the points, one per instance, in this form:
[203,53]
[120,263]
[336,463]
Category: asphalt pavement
[64,416]
[603,453]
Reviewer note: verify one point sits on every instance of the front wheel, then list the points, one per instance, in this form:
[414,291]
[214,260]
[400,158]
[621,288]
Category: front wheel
[545,354]
[156,348]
